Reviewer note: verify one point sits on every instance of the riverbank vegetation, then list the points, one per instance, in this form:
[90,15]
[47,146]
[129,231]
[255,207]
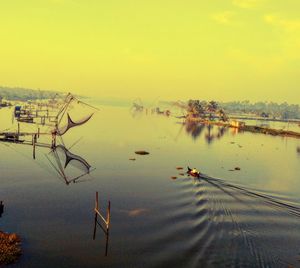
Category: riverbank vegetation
[266,110]
[10,248]
[25,94]
[213,113]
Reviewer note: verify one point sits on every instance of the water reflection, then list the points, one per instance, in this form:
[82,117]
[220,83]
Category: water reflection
[67,165]
[105,220]
[106,233]
[70,167]
[195,129]
[188,225]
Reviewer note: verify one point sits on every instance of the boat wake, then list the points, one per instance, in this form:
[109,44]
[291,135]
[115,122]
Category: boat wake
[213,223]
[290,208]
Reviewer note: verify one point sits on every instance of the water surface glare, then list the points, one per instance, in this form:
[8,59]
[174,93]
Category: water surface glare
[229,218]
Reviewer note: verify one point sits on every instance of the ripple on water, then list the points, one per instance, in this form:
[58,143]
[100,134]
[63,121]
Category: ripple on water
[212,224]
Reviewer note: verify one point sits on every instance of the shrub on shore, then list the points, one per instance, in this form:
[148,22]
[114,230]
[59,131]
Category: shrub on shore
[10,248]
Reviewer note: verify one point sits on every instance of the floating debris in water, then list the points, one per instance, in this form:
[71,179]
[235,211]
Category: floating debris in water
[142,152]
[179,168]
[173,177]
[132,159]
[235,169]
[181,174]
[137,212]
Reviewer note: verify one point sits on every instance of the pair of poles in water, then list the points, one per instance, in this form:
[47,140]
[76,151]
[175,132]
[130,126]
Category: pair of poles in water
[104,223]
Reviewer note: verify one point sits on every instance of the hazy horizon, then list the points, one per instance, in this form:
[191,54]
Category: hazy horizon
[149,100]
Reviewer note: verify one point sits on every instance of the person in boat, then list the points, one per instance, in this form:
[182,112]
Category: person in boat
[193,172]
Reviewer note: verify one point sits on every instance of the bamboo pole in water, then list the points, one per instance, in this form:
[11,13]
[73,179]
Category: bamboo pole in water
[108,217]
[33,144]
[18,130]
[106,220]
[97,202]
[96,215]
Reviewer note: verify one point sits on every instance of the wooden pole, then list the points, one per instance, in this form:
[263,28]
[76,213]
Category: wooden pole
[53,145]
[1,208]
[106,220]
[95,227]
[33,145]
[18,130]
[96,215]
[106,244]
[97,202]
[108,217]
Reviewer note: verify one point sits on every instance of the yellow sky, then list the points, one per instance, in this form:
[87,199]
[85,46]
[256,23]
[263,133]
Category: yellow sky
[220,49]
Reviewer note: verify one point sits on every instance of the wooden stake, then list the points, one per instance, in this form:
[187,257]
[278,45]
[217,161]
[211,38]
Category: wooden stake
[96,215]
[53,140]
[106,244]
[106,220]
[95,226]
[18,129]
[97,202]
[108,217]
[33,145]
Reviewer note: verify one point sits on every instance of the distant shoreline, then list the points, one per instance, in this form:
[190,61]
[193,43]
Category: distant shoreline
[248,128]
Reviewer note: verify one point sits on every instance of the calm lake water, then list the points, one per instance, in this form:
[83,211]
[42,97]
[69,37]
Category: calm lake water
[233,218]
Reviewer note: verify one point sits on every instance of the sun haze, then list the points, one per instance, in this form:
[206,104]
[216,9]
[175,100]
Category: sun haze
[222,49]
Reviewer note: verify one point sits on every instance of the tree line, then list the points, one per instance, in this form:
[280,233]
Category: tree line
[201,108]
[24,94]
[264,109]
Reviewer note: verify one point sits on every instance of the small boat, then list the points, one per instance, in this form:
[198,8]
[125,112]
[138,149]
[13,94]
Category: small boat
[10,137]
[193,172]
[26,119]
